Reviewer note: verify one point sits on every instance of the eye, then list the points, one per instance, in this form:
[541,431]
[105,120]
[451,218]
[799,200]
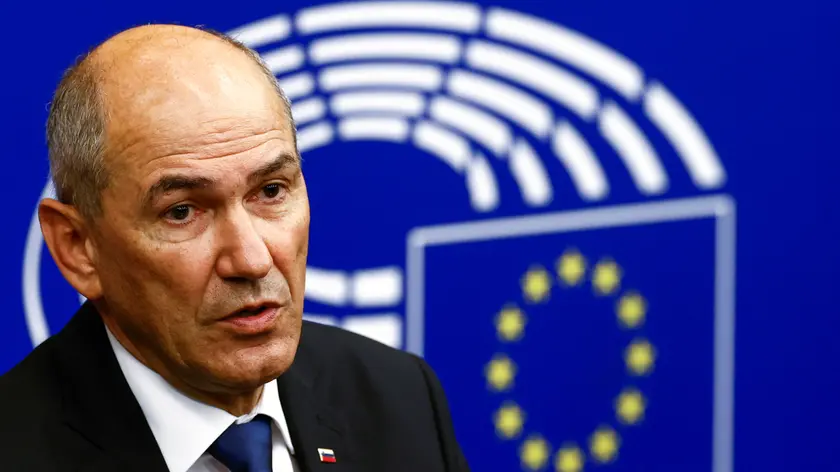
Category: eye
[179,213]
[272,192]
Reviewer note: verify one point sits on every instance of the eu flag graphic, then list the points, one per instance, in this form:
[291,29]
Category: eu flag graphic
[599,340]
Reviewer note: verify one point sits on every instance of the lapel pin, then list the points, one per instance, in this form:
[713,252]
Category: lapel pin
[326,455]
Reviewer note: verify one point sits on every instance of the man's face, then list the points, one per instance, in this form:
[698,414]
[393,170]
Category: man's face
[205,214]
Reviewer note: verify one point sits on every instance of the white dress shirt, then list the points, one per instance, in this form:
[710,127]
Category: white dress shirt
[185,428]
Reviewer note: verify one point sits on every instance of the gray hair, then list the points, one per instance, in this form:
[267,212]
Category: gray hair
[76,130]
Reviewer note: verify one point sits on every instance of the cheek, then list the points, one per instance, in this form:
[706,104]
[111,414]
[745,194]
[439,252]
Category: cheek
[157,275]
[289,246]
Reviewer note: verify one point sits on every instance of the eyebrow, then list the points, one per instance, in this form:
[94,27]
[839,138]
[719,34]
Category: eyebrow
[281,162]
[174,182]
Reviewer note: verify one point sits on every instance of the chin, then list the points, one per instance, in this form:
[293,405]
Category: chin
[252,367]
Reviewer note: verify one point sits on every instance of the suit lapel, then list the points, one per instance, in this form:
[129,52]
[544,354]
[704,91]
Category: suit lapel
[97,402]
[313,424]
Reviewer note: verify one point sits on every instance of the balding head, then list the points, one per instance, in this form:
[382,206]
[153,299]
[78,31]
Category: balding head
[137,77]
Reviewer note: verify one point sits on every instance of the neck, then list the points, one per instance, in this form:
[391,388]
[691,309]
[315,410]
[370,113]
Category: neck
[237,403]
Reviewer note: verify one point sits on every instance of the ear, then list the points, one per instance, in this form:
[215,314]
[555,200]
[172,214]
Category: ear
[68,237]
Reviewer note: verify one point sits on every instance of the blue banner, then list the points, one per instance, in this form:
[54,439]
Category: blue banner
[609,227]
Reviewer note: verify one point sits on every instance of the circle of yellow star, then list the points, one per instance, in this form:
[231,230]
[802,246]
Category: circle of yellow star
[534,453]
[630,406]
[569,459]
[536,285]
[639,357]
[606,277]
[500,372]
[571,267]
[510,324]
[509,419]
[631,310]
[603,445]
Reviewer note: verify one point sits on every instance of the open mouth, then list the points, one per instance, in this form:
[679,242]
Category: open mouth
[249,312]
[253,320]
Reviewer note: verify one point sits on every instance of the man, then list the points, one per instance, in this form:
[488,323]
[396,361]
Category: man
[182,216]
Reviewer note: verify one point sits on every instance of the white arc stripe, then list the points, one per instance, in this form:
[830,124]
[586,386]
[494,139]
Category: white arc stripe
[542,76]
[530,175]
[633,148]
[580,162]
[315,136]
[403,46]
[443,144]
[415,76]
[263,32]
[481,185]
[680,128]
[514,104]
[491,132]
[569,46]
[437,15]
[379,128]
[400,103]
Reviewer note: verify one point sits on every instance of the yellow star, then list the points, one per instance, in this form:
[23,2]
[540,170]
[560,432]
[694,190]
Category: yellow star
[639,357]
[603,445]
[568,459]
[509,419]
[500,373]
[536,285]
[510,324]
[630,406]
[534,453]
[571,267]
[607,277]
[631,310]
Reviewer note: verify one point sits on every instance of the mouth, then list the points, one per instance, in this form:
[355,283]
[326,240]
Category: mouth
[253,319]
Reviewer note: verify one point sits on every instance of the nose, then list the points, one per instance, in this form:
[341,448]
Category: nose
[244,253]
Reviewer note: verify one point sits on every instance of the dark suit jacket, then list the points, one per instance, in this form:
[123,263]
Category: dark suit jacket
[67,407]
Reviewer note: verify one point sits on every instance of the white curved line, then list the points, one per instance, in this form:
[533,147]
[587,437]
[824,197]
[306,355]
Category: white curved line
[444,144]
[491,132]
[36,321]
[515,105]
[566,45]
[308,110]
[284,60]
[437,15]
[544,77]
[314,136]
[530,175]
[296,86]
[416,76]
[357,128]
[377,287]
[481,184]
[386,328]
[401,103]
[330,287]
[263,32]
[404,46]
[686,135]
[580,161]
[634,149]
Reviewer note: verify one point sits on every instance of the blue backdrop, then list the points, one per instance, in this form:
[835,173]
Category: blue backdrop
[609,226]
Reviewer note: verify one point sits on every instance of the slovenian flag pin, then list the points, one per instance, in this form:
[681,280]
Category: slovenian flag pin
[327,455]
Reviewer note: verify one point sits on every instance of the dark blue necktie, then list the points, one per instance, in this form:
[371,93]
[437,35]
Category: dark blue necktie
[245,447]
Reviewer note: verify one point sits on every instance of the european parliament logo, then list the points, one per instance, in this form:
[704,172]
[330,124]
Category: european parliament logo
[551,235]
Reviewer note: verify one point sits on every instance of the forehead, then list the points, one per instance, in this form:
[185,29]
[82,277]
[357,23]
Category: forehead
[201,105]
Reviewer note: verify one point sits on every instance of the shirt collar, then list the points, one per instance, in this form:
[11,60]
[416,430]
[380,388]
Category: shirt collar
[184,428]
